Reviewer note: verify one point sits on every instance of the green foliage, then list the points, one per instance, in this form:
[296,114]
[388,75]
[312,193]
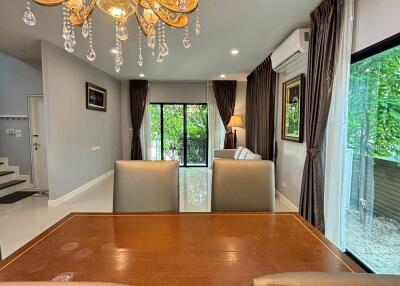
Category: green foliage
[293,119]
[374,106]
[196,125]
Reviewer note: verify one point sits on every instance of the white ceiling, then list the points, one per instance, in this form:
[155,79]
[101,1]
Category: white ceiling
[255,27]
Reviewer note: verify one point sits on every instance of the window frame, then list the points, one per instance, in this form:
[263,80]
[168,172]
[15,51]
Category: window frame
[358,56]
[375,49]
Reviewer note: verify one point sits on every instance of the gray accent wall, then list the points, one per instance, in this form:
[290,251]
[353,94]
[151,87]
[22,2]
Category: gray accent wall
[178,92]
[18,79]
[72,130]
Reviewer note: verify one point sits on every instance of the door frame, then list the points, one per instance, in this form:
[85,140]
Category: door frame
[28,97]
[185,163]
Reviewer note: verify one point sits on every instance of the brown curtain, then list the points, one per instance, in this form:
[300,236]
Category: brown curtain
[260,110]
[137,95]
[225,96]
[321,64]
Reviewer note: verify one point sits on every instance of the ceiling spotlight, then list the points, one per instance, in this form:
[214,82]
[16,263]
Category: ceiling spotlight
[235,52]
[141,74]
[222,75]
[114,51]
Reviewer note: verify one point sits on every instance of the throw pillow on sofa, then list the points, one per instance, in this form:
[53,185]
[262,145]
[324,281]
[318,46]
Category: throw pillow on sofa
[237,152]
[244,153]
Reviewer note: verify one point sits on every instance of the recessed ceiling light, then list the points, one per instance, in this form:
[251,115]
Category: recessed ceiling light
[114,51]
[234,52]
[141,74]
[222,75]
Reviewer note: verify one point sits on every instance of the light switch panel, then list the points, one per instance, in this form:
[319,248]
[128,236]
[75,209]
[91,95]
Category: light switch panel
[10,131]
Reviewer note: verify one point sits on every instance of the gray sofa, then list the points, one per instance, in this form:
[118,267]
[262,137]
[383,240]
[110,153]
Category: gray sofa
[239,153]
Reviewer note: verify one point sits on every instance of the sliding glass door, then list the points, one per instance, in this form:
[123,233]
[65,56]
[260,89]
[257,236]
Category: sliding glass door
[180,132]
[373,211]
[173,131]
[197,134]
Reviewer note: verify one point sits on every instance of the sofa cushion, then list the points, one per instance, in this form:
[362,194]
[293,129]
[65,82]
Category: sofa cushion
[237,152]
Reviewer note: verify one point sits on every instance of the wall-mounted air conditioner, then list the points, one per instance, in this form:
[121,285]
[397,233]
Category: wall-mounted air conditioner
[292,50]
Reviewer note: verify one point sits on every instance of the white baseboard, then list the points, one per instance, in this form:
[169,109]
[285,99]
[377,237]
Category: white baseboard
[292,207]
[79,190]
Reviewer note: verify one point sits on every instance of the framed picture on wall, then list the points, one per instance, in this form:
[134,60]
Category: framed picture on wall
[293,109]
[96,97]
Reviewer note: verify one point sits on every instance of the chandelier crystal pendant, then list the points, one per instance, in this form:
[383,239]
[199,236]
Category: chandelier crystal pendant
[29,18]
[152,16]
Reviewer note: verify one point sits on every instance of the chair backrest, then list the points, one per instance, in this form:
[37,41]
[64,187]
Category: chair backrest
[327,279]
[146,186]
[243,185]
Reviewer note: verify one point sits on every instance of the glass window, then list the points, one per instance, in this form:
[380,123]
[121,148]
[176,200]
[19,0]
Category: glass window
[180,132]
[373,213]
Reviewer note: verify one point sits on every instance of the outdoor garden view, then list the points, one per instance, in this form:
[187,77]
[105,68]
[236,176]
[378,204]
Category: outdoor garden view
[180,132]
[373,213]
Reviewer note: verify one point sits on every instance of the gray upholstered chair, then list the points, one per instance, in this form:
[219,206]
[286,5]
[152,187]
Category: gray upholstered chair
[326,279]
[243,185]
[146,186]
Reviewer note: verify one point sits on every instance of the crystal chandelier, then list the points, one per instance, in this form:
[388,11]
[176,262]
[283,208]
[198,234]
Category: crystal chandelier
[152,17]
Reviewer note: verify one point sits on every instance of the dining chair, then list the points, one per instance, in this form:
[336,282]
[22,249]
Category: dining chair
[327,279]
[243,185]
[146,186]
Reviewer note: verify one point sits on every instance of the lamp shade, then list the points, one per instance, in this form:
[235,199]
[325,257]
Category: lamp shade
[236,121]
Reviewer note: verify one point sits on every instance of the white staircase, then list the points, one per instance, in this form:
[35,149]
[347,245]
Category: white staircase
[10,179]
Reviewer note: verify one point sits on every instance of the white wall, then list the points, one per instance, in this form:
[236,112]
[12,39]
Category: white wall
[240,109]
[375,20]
[17,80]
[72,130]
[291,155]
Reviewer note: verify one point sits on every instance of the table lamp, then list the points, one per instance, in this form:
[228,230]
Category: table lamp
[235,122]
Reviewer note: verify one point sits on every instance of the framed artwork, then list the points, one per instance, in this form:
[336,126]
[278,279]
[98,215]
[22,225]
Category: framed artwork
[96,97]
[293,109]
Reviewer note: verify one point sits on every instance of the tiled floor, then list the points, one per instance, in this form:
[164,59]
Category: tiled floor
[22,221]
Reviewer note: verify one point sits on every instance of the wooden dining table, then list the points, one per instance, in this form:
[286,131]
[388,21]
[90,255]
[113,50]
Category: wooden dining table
[174,249]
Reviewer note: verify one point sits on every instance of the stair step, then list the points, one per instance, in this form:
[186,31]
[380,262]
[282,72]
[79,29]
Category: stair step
[11,183]
[3,173]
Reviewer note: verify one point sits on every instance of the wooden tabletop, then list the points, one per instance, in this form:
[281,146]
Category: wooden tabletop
[174,249]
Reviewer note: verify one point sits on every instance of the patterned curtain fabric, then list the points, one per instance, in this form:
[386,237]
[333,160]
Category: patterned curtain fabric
[225,96]
[260,110]
[137,96]
[325,27]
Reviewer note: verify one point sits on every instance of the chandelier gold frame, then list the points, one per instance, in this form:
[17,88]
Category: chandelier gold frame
[148,12]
